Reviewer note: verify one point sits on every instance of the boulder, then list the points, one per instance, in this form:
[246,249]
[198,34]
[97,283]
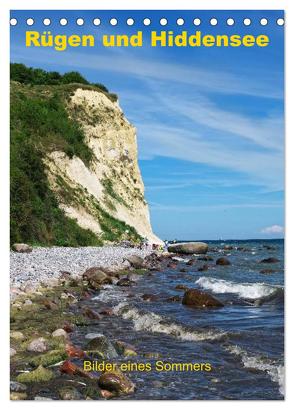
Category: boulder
[116,382]
[96,277]
[18,396]
[136,261]
[125,349]
[205,258]
[69,393]
[16,335]
[38,375]
[125,282]
[270,260]
[148,297]
[17,387]
[197,298]
[38,345]
[101,346]
[91,314]
[22,248]
[188,248]
[12,352]
[175,298]
[223,261]
[59,333]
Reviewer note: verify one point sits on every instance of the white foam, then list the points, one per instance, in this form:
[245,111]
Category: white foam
[151,322]
[244,290]
[274,370]
[109,293]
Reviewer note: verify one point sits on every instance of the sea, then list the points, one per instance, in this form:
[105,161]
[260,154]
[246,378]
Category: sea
[243,341]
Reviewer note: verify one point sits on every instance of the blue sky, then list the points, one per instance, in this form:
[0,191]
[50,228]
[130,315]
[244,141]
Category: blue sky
[210,121]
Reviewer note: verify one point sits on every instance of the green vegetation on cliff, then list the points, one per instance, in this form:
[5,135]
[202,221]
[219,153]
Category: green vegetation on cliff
[40,124]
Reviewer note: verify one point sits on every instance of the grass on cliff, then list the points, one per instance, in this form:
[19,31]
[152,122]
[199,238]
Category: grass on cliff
[39,125]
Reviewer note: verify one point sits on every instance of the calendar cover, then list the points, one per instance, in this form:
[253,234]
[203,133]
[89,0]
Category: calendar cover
[147,205]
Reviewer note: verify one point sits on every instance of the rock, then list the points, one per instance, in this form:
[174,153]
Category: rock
[223,261]
[116,382]
[197,298]
[91,314]
[190,262]
[183,270]
[136,261]
[39,375]
[125,282]
[203,268]
[107,311]
[17,387]
[16,335]
[172,265]
[149,298]
[228,247]
[74,351]
[28,302]
[71,368]
[270,260]
[268,271]
[59,333]
[205,258]
[102,346]
[151,355]
[12,352]
[176,298]
[68,327]
[90,336]
[18,396]
[49,304]
[188,248]
[42,398]
[106,394]
[47,359]
[125,349]
[22,248]
[96,277]
[38,345]
[69,393]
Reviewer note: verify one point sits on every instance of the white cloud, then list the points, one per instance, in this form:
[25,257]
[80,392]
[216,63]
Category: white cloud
[274,229]
[216,81]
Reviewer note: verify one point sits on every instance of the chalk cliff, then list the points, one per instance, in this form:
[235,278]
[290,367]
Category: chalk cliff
[111,184]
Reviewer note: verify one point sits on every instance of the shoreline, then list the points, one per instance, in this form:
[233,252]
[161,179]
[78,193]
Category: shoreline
[44,266]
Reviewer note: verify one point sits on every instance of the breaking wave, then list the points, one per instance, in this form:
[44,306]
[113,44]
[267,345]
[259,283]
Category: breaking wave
[243,290]
[273,369]
[151,322]
[109,293]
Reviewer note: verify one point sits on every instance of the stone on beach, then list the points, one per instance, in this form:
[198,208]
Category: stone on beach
[38,345]
[59,333]
[197,298]
[116,382]
[270,260]
[223,261]
[188,248]
[102,346]
[136,261]
[14,334]
[96,277]
[22,248]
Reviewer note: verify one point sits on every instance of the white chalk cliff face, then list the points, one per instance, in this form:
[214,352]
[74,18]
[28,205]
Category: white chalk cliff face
[112,182]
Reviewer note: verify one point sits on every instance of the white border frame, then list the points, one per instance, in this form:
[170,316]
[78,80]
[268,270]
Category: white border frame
[286,5]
